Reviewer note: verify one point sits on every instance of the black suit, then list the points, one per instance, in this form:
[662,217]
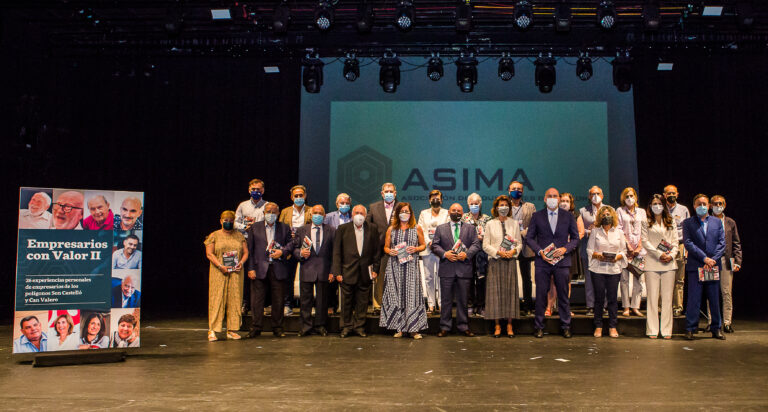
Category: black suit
[268,273]
[354,269]
[314,275]
[377,214]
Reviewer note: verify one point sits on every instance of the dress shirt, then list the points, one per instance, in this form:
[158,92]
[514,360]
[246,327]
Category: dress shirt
[679,213]
[429,223]
[298,219]
[29,221]
[119,261]
[317,237]
[612,241]
[589,215]
[631,223]
[704,225]
[270,230]
[345,218]
[249,208]
[359,238]
[456,228]
[23,345]
[388,208]
[552,215]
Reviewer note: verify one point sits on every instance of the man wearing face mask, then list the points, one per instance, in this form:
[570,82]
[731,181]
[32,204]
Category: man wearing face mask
[704,238]
[478,219]
[679,213]
[314,273]
[429,220]
[356,254]
[589,216]
[455,269]
[730,262]
[522,212]
[381,215]
[555,226]
[342,215]
[294,217]
[251,210]
[269,242]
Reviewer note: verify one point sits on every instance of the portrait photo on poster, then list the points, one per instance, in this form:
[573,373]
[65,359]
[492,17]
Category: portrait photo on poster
[126,288]
[68,205]
[35,206]
[129,210]
[126,250]
[63,329]
[29,332]
[98,214]
[94,330]
[125,328]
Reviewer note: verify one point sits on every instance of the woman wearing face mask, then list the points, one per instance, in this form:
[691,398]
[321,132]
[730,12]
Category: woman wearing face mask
[577,272]
[502,242]
[429,219]
[478,219]
[631,220]
[606,247]
[402,307]
[659,236]
[226,251]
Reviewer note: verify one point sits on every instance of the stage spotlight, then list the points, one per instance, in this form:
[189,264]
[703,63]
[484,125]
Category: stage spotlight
[584,68]
[523,14]
[606,15]
[312,77]
[365,17]
[506,68]
[435,68]
[546,77]
[651,16]
[622,73]
[466,73]
[464,16]
[404,15]
[389,73]
[281,18]
[744,15]
[562,17]
[351,68]
[323,16]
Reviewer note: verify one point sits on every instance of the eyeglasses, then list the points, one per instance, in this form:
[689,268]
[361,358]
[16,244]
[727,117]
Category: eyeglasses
[67,208]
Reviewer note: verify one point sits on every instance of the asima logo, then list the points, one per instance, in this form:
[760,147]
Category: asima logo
[361,173]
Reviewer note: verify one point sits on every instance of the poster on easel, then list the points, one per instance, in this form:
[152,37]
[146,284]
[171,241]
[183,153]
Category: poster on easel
[78,270]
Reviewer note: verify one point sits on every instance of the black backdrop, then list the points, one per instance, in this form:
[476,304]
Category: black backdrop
[196,129]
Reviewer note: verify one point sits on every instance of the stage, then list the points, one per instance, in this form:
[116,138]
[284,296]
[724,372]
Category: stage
[177,369]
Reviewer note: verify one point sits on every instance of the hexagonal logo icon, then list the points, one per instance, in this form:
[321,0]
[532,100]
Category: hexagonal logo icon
[361,174]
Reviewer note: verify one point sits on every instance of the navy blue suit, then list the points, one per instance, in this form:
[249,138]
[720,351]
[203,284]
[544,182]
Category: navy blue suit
[313,274]
[455,276]
[117,298]
[700,246]
[539,237]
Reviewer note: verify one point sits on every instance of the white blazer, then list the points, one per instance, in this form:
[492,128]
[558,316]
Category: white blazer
[494,235]
[428,225]
[651,238]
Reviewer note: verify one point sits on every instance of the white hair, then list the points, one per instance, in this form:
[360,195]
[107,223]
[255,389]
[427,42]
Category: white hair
[475,195]
[45,196]
[342,196]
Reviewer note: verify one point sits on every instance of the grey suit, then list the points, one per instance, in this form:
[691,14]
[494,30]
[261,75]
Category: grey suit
[313,275]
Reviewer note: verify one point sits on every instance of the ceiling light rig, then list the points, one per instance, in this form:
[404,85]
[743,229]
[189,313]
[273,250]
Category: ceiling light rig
[389,72]
[506,67]
[435,67]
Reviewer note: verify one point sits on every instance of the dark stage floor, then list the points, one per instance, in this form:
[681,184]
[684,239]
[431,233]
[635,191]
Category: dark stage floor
[177,369]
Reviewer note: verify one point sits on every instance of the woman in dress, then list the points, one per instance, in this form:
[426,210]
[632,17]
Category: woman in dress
[402,308]
[501,288]
[64,327]
[225,278]
[92,334]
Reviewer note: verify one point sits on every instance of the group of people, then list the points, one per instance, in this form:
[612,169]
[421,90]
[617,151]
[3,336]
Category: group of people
[386,251]
[92,335]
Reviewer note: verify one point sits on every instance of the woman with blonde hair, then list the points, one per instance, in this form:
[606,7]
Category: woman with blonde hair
[631,220]
[64,327]
[605,250]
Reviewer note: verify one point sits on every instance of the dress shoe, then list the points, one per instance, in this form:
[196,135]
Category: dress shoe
[625,313]
[305,333]
[442,333]
[212,336]
[344,333]
[567,333]
[417,336]
[279,333]
[538,333]
[254,333]
[233,336]
[377,312]
[497,332]
[468,333]
[688,335]
[287,311]
[677,313]
[718,335]
[728,328]
[590,312]
[322,331]
[360,332]
[637,312]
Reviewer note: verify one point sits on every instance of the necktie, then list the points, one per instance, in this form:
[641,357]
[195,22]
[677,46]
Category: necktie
[317,239]
[552,221]
[455,232]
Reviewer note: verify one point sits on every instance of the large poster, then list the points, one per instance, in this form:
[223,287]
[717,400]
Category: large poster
[78,269]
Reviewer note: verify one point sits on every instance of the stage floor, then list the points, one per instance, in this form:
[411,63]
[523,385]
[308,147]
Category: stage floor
[177,369]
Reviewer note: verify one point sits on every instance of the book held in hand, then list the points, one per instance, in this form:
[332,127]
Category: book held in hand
[708,275]
[664,246]
[229,259]
[609,256]
[507,243]
[402,253]
[306,243]
[480,230]
[637,265]
[549,252]
[458,247]
[431,233]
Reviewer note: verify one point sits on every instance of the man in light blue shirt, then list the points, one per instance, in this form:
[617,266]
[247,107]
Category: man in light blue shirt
[127,257]
[32,338]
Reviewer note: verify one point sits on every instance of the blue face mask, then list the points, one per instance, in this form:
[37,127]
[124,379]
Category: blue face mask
[256,195]
[317,219]
[475,209]
[344,209]
[516,194]
[389,197]
[299,201]
[701,211]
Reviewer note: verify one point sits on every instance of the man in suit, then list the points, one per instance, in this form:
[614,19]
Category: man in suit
[356,253]
[126,295]
[343,214]
[731,260]
[269,243]
[552,225]
[314,273]
[294,217]
[522,211]
[381,215]
[455,269]
[704,239]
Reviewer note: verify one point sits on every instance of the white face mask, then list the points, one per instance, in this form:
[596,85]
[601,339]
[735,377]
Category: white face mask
[630,201]
[358,220]
[503,210]
[552,202]
[718,209]
[596,199]
[404,217]
[657,209]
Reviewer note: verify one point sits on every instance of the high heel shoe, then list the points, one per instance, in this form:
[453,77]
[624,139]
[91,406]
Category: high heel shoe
[598,332]
[510,332]
[548,312]
[637,312]
[212,336]
[626,313]
[497,332]
[614,333]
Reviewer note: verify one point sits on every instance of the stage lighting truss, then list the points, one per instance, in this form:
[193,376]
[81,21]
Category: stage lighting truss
[435,68]
[389,72]
[584,67]
[606,15]
[365,17]
[506,67]
[324,15]
[562,16]
[404,15]
[466,72]
[651,16]
[351,68]
[622,72]
[523,14]
[463,16]
[312,76]
[281,18]
[546,76]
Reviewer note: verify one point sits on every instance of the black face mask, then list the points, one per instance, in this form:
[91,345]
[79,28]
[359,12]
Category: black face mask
[606,221]
[455,217]
[435,202]
[671,199]
[227,225]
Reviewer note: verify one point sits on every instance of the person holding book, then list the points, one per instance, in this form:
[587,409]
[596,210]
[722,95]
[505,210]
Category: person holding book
[402,306]
[502,243]
[589,218]
[659,237]
[679,213]
[731,260]
[631,220]
[227,251]
[294,216]
[606,250]
[456,244]
[704,239]
[475,217]
[553,236]
[522,211]
[567,203]
[429,220]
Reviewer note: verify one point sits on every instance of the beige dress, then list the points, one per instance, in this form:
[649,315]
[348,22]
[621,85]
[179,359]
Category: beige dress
[225,291]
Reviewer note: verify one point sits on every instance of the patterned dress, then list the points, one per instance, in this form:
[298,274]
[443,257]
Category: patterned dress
[225,291]
[402,307]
